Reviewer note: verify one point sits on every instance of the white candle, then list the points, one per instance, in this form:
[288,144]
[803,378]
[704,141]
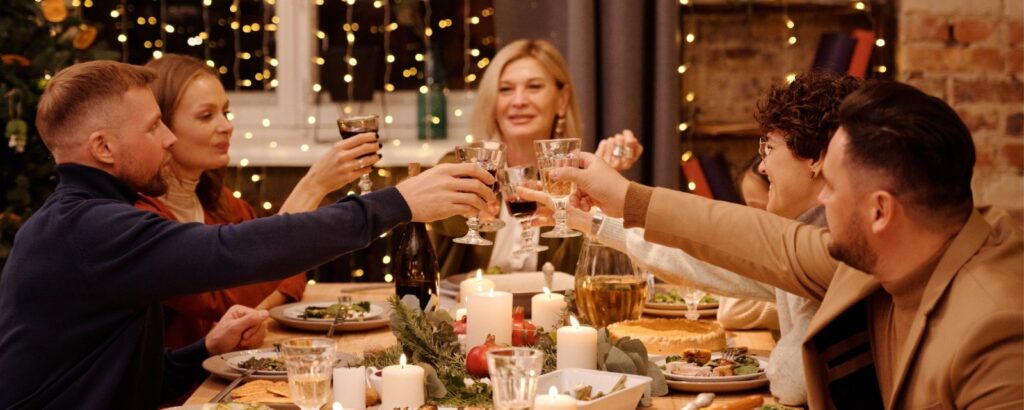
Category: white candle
[474,285]
[488,313]
[546,308]
[554,401]
[402,386]
[577,346]
[350,387]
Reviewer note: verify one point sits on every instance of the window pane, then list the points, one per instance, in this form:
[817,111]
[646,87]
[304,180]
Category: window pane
[238,37]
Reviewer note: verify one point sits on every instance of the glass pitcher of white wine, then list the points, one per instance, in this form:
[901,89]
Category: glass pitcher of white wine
[609,286]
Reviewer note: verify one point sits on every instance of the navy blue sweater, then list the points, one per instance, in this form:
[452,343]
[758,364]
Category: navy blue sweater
[80,317]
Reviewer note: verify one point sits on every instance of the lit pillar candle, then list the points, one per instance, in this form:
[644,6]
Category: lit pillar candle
[488,313]
[577,346]
[350,387]
[474,285]
[402,386]
[546,308]
[554,401]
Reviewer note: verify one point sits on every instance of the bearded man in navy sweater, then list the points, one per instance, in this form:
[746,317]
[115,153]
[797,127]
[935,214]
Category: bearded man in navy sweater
[80,317]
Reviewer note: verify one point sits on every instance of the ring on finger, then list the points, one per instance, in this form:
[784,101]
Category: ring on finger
[617,150]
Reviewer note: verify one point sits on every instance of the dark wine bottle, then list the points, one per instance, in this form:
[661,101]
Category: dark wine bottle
[415,263]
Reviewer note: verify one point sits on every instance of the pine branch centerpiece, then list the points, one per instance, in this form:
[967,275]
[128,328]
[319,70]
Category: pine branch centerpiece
[428,338]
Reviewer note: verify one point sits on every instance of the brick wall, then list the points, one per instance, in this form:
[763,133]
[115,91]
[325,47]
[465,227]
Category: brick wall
[970,54]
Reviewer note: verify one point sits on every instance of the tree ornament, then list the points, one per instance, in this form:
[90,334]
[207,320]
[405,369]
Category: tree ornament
[17,134]
[55,11]
[85,37]
[15,59]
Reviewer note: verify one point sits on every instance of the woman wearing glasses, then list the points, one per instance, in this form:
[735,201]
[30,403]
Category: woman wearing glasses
[524,96]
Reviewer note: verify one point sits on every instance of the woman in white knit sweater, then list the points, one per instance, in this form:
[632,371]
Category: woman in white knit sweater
[798,121]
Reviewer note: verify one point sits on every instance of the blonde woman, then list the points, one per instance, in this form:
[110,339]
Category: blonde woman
[525,95]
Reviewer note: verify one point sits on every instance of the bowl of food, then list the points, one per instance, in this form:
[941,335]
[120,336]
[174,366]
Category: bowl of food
[595,389]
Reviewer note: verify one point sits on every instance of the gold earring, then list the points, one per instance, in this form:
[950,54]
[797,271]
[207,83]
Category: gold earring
[560,127]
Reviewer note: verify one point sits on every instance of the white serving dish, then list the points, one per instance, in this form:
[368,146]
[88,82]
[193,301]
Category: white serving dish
[566,380]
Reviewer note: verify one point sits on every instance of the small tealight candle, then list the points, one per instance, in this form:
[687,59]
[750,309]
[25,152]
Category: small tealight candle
[402,386]
[577,346]
[488,313]
[546,308]
[474,285]
[350,387]
[554,401]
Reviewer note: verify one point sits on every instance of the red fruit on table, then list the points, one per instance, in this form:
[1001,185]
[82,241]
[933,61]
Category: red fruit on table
[460,326]
[524,333]
[476,359]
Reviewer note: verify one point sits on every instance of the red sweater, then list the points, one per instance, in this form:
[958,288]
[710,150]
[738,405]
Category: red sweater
[189,318]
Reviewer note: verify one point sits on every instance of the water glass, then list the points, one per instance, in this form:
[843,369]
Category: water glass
[514,372]
[310,364]
[692,297]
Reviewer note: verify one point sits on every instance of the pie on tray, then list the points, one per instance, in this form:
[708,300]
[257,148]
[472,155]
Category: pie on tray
[671,336]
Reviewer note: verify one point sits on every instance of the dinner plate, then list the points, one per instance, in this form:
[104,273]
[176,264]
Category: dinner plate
[678,306]
[278,313]
[708,313]
[296,310]
[762,363]
[235,361]
[218,364]
[717,387]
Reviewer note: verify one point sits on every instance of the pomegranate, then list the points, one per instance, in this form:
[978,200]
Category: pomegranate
[476,359]
[524,333]
[460,326]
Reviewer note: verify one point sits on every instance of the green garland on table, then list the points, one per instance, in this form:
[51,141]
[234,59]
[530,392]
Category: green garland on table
[428,339]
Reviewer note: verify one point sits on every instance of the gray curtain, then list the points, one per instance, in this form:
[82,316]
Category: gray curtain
[623,56]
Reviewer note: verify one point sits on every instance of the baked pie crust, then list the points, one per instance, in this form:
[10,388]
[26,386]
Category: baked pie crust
[671,336]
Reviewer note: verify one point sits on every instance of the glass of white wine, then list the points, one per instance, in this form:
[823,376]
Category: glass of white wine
[491,159]
[553,154]
[310,364]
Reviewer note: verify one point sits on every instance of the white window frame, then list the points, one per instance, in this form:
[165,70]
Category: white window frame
[289,107]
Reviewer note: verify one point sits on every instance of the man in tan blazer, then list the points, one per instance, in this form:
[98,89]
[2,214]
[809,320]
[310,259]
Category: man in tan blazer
[921,292]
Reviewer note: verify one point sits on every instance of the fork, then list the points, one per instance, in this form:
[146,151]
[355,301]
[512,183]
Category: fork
[231,386]
[338,317]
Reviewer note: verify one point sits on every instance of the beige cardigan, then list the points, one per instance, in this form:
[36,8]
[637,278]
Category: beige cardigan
[964,349]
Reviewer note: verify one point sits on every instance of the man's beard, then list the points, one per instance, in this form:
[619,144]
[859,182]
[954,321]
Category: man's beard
[154,187]
[853,249]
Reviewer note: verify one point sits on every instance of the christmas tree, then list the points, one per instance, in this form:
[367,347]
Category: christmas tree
[37,39]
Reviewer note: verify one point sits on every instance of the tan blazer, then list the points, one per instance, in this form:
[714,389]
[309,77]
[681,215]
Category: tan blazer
[965,348]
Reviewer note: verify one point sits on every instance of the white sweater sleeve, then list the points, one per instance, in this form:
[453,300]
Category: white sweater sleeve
[675,266]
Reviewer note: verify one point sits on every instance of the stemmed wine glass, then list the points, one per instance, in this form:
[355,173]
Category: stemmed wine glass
[553,154]
[495,224]
[490,159]
[349,127]
[692,297]
[520,208]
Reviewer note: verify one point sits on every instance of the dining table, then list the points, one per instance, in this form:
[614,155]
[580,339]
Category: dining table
[758,341]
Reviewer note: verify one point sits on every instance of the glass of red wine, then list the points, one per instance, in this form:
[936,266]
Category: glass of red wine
[522,209]
[494,224]
[490,158]
[350,127]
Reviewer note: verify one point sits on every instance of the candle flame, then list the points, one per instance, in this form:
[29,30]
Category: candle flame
[490,292]
[337,406]
[479,274]
[547,292]
[575,323]
[402,360]
[553,391]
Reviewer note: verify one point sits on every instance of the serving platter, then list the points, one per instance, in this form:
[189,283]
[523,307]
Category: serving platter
[284,315]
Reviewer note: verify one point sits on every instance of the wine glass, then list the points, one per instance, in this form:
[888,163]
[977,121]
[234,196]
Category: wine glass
[692,297]
[349,127]
[310,364]
[489,158]
[520,208]
[610,287]
[553,154]
[496,224]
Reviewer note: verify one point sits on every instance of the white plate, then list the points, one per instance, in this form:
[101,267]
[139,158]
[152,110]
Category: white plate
[679,313]
[235,361]
[762,363]
[718,387]
[678,306]
[569,379]
[295,311]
